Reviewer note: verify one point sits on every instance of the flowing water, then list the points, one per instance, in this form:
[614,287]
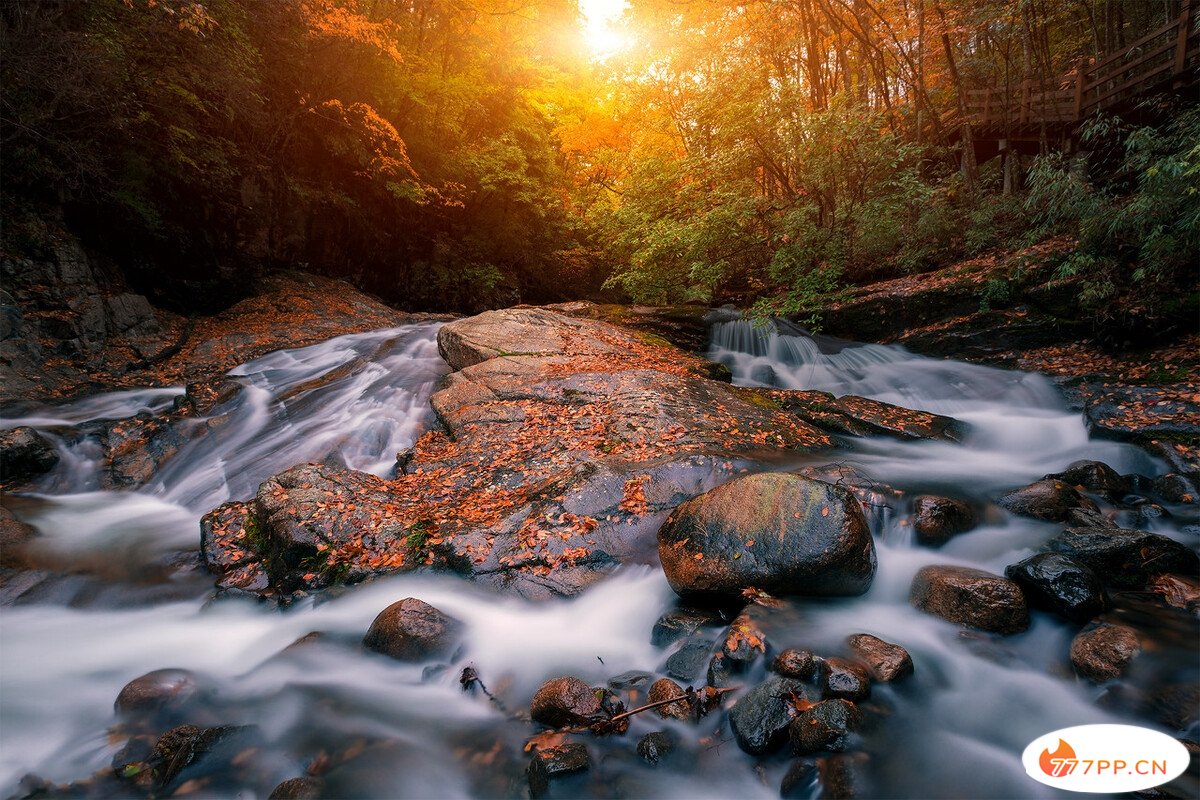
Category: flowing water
[956,729]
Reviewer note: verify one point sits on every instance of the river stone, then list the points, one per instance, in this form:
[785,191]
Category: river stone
[745,642]
[1095,476]
[680,623]
[552,762]
[824,726]
[1104,652]
[688,661]
[664,689]
[759,719]
[24,454]
[656,745]
[843,679]
[157,691]
[970,597]
[1125,558]
[412,630]
[1176,488]
[566,701]
[14,535]
[801,781]
[1048,499]
[794,663]
[306,788]
[781,533]
[1059,584]
[886,661]
[936,520]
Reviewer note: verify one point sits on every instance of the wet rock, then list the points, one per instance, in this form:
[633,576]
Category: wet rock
[665,689]
[844,777]
[24,454]
[1104,652]
[305,788]
[759,719]
[688,662]
[1048,499]
[1095,476]
[553,762]
[299,527]
[1176,488]
[937,519]
[851,415]
[157,692]
[781,533]
[656,746]
[827,725]
[566,701]
[413,630]
[680,623]
[629,680]
[1124,558]
[794,663]
[745,642]
[887,662]
[14,536]
[844,679]
[970,597]
[1059,584]
[173,751]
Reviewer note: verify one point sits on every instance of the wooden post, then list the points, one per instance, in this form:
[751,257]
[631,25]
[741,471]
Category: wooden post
[1080,77]
[1181,39]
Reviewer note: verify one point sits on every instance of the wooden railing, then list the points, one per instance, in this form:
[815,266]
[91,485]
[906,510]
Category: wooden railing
[1164,58]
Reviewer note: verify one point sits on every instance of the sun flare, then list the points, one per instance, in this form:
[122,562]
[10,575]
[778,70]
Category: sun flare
[601,33]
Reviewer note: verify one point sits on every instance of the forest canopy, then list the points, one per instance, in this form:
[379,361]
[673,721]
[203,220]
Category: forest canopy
[459,155]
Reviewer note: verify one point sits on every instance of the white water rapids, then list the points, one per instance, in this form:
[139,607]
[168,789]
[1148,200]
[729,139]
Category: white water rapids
[955,730]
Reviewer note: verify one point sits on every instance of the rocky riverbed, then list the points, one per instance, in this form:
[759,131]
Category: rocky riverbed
[571,559]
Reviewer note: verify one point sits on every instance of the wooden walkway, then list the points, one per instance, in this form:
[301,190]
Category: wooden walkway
[1020,116]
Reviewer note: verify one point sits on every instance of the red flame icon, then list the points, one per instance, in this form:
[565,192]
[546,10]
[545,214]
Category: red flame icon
[1059,763]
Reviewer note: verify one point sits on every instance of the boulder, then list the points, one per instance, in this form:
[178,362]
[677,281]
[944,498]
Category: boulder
[827,725]
[760,718]
[688,661]
[680,623]
[793,663]
[1176,488]
[844,679]
[781,533]
[553,762]
[1104,652]
[887,662]
[1059,584]
[161,691]
[24,454]
[1095,476]
[1124,558]
[566,701]
[970,597]
[1048,499]
[664,689]
[851,415]
[413,630]
[936,520]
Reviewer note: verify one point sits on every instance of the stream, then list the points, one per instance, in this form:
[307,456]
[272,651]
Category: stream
[131,600]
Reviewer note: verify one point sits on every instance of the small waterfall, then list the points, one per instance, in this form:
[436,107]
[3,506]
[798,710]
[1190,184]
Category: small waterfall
[1020,425]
